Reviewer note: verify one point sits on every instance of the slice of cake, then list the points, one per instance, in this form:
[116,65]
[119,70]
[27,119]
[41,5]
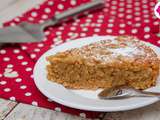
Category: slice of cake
[107,63]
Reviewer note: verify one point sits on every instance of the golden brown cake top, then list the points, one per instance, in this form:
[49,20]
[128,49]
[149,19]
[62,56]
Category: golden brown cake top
[118,49]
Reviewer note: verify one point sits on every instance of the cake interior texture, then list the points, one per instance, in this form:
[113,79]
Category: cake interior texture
[122,60]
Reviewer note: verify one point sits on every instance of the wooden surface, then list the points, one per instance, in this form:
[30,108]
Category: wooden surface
[17,111]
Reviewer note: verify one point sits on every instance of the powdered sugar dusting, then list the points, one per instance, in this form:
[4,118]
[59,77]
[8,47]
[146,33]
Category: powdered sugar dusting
[112,49]
[127,51]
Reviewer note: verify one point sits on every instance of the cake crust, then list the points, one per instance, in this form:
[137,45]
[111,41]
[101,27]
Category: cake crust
[107,63]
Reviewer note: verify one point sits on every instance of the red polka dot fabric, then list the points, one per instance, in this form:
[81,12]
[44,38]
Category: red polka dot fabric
[119,17]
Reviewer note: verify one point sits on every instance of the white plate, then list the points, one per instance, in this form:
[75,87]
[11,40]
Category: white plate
[84,99]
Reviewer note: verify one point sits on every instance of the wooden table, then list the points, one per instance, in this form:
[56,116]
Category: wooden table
[18,111]
[10,110]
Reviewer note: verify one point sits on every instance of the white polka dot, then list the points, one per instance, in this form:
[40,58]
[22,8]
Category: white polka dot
[98,25]
[20,57]
[50,3]
[1,75]
[12,24]
[145,16]
[122,25]
[113,12]
[60,6]
[73,28]
[23,87]
[99,20]
[134,31]
[30,18]
[36,50]
[47,10]
[75,23]
[73,2]
[114,2]
[61,28]
[24,48]
[137,18]
[7,90]
[84,29]
[58,33]
[146,29]
[120,15]
[70,33]
[88,20]
[137,13]
[109,30]
[34,14]
[2,51]
[41,21]
[90,15]
[129,16]
[158,41]
[137,3]
[96,30]
[101,16]
[121,4]
[28,94]
[113,7]
[9,66]
[111,20]
[57,109]
[121,31]
[34,103]
[129,22]
[44,16]
[156,23]
[40,45]
[16,51]
[24,63]
[138,24]
[146,36]
[110,25]
[93,24]
[152,4]
[33,56]
[146,20]
[28,69]
[17,19]
[82,115]
[6,59]
[18,80]
[82,34]
[145,11]
[3,82]
[121,9]
[144,6]
[12,98]
[129,6]
[95,34]
[129,11]
[47,32]
[32,76]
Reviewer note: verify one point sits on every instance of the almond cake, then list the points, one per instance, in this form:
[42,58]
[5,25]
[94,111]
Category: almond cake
[123,60]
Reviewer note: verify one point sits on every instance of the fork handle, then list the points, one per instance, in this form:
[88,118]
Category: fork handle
[74,11]
[148,93]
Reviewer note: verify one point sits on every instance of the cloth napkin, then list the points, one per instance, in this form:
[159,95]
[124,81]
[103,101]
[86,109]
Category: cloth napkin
[119,17]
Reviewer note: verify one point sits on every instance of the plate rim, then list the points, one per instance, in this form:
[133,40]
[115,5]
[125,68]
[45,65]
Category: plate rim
[89,108]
